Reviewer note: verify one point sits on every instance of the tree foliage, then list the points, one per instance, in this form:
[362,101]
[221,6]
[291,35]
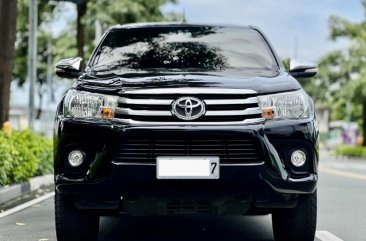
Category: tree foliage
[109,13]
[66,43]
[342,73]
[23,155]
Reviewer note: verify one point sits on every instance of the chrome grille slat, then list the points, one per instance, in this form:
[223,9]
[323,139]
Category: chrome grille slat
[249,111]
[130,101]
[124,100]
[128,111]
[251,100]
[189,123]
[185,91]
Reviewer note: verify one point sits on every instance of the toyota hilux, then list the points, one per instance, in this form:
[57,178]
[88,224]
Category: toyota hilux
[177,118]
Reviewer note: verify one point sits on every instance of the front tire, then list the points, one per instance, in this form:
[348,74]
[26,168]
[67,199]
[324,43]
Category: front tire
[296,224]
[73,224]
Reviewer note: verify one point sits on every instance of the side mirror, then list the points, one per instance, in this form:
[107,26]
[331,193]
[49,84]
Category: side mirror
[70,68]
[302,69]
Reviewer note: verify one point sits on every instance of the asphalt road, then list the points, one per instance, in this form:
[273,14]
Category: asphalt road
[341,216]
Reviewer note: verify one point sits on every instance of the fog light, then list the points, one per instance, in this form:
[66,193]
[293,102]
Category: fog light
[298,158]
[76,158]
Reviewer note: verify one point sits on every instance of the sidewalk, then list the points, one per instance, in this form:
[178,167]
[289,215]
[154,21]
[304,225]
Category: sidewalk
[11,192]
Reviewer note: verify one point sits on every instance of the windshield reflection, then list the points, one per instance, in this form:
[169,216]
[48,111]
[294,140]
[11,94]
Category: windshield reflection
[181,48]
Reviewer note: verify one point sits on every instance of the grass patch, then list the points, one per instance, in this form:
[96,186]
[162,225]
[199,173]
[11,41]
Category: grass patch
[352,151]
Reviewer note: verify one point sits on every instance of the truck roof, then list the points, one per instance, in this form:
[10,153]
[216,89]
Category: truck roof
[175,24]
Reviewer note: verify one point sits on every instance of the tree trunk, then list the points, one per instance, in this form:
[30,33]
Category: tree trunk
[8,16]
[364,121]
[81,9]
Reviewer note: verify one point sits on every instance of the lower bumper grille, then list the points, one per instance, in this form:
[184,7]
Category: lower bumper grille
[188,206]
[230,151]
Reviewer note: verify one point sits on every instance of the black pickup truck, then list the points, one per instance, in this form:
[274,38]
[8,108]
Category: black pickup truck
[171,118]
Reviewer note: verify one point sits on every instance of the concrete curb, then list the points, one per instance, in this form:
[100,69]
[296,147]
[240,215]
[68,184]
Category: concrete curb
[14,191]
[328,154]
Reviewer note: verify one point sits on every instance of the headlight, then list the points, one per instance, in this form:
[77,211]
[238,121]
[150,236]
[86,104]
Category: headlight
[81,104]
[289,105]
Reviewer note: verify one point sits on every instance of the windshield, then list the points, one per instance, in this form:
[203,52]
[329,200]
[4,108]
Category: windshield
[182,48]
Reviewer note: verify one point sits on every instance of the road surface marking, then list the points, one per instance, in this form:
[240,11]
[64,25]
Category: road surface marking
[27,204]
[327,236]
[342,173]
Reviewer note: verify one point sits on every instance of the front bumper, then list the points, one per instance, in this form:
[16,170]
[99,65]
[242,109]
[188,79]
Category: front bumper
[265,184]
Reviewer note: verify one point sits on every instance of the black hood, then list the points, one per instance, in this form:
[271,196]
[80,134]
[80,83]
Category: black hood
[263,85]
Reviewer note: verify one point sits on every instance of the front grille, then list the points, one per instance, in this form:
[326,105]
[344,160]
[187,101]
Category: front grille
[222,106]
[230,151]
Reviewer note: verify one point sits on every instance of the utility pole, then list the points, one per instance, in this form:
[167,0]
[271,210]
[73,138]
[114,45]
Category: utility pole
[98,32]
[49,69]
[32,56]
[296,47]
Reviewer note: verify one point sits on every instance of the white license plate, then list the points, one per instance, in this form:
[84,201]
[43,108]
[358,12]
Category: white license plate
[187,167]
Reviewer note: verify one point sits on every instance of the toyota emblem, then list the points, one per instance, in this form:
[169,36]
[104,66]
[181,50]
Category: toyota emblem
[188,108]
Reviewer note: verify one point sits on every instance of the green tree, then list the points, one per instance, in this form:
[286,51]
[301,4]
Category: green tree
[8,13]
[66,45]
[47,13]
[342,73]
[110,13]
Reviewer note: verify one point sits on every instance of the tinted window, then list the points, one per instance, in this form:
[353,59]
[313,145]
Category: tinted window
[182,47]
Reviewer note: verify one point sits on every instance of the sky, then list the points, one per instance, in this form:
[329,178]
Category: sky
[286,23]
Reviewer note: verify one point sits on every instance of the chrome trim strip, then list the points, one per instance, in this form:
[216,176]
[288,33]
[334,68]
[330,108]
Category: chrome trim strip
[192,90]
[187,123]
[242,164]
[128,111]
[131,112]
[311,177]
[251,100]
[248,111]
[124,100]
[133,164]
